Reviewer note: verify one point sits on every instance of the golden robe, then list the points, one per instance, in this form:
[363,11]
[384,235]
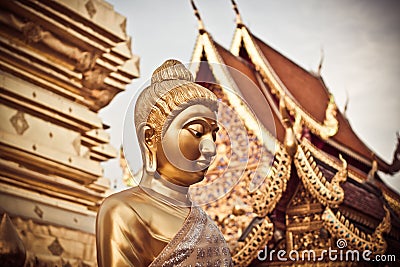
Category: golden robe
[134,229]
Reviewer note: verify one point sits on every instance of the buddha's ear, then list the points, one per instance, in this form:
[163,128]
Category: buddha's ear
[148,142]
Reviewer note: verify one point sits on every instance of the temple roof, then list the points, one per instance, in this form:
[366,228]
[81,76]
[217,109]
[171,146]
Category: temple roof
[361,199]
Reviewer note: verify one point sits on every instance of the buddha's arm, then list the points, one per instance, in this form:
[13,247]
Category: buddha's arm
[119,236]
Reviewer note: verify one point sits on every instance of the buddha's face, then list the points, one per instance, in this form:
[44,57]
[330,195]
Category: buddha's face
[188,145]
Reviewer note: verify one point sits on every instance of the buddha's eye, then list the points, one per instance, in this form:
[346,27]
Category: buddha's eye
[198,134]
[214,133]
[196,129]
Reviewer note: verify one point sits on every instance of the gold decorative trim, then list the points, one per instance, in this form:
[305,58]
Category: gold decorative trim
[328,193]
[270,192]
[194,65]
[393,203]
[341,228]
[248,250]
[236,41]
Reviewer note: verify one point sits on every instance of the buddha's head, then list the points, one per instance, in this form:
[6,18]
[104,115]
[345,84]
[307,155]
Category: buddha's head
[176,124]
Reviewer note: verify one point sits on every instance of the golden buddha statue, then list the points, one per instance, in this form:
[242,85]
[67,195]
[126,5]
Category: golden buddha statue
[155,223]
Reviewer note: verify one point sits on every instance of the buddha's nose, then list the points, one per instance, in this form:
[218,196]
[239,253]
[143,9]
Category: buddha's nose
[207,148]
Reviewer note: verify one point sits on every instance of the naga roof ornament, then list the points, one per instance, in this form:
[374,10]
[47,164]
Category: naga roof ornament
[328,193]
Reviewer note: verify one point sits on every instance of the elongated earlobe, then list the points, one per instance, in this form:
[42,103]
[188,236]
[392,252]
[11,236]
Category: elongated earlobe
[149,145]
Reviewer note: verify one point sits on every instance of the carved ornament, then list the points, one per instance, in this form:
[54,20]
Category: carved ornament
[328,193]
[270,192]
[19,122]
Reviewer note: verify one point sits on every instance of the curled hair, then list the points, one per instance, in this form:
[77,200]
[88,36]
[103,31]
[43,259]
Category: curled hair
[171,90]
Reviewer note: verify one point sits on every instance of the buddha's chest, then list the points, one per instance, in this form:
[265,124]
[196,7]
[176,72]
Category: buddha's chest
[165,226]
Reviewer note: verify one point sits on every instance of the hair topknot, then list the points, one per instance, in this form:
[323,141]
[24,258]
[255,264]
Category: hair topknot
[171,70]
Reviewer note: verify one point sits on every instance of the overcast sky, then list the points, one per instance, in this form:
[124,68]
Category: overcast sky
[360,40]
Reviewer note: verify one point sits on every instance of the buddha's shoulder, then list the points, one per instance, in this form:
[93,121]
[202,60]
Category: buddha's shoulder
[131,201]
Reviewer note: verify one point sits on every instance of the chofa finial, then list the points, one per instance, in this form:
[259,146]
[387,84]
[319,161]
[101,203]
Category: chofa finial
[321,61]
[238,17]
[346,104]
[197,14]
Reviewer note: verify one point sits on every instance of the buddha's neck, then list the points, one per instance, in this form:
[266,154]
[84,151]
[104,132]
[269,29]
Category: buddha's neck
[167,191]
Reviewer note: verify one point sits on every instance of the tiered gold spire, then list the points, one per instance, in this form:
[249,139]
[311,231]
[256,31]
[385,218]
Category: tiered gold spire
[59,65]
